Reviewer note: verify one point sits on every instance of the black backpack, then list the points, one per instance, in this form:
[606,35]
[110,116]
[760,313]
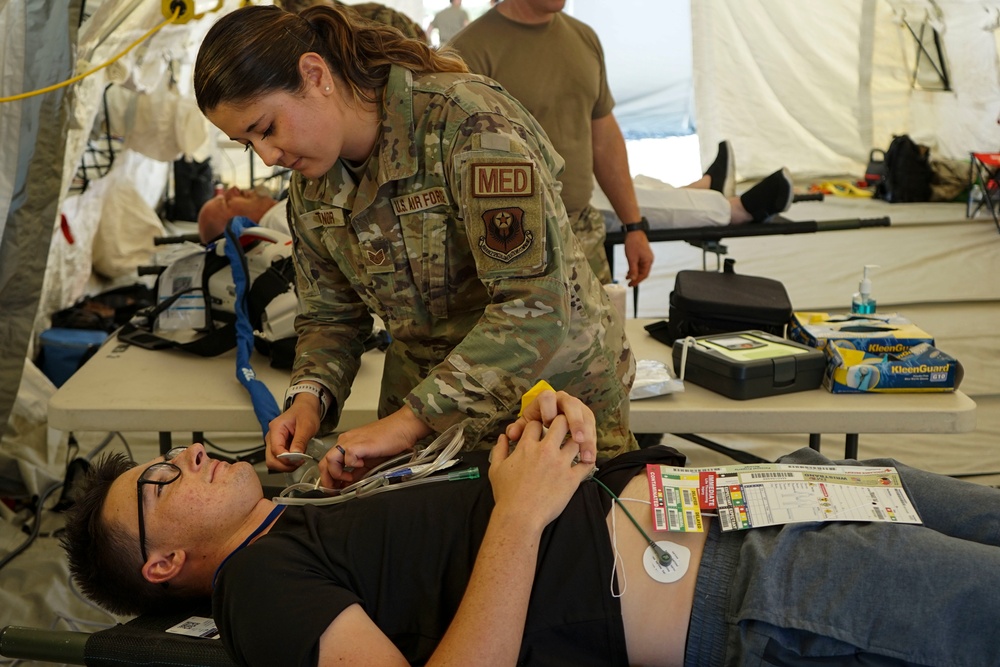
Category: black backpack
[907,172]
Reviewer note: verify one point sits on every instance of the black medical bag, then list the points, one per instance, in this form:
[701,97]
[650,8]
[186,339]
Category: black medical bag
[710,302]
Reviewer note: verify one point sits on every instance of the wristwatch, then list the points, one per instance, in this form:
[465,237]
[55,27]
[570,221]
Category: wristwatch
[641,226]
[319,392]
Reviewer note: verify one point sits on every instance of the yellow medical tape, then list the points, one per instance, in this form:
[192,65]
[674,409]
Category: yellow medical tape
[533,393]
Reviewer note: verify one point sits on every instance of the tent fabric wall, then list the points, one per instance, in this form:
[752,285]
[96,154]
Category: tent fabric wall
[31,152]
[816,86]
[647,50]
[42,266]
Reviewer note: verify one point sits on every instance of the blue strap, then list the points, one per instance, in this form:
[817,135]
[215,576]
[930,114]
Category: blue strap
[264,405]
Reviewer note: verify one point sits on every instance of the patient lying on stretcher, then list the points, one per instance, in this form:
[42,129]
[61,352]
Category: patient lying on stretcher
[710,200]
[537,561]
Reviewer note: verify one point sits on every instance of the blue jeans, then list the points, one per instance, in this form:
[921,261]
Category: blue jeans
[857,593]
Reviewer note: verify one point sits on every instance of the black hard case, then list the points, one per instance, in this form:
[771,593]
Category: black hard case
[709,302]
[752,379]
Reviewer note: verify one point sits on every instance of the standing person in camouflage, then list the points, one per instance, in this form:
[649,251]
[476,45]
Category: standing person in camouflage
[554,65]
[428,196]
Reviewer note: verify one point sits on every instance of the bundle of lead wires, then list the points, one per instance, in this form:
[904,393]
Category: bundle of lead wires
[412,468]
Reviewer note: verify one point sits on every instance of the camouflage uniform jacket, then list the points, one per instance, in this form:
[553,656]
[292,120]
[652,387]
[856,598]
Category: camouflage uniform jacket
[455,235]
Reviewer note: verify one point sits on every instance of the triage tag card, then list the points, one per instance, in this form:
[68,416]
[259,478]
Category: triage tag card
[673,496]
[771,494]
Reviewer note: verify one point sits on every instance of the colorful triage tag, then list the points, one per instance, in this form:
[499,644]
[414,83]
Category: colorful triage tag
[673,496]
[769,494]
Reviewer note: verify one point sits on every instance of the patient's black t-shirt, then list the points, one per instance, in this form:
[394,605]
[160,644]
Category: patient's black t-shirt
[406,556]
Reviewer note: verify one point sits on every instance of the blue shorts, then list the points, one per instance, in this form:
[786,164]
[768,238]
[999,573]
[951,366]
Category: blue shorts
[825,593]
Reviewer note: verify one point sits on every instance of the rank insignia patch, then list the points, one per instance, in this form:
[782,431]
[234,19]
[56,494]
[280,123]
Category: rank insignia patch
[377,256]
[505,236]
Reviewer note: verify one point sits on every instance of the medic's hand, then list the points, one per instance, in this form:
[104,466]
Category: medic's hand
[535,482]
[291,431]
[550,404]
[640,257]
[364,447]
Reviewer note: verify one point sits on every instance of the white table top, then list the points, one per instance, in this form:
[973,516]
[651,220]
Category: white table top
[125,388]
[700,410]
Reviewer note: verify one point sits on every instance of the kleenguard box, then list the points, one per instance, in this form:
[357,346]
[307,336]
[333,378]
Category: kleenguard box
[750,364]
[921,368]
[876,333]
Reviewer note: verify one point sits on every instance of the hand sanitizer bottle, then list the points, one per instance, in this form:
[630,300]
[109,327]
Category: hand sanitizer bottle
[863,303]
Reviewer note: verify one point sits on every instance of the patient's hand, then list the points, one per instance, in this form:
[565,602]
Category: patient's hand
[533,483]
[580,420]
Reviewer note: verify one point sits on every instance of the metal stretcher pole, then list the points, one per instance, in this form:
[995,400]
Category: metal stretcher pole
[58,646]
[718,232]
[764,229]
[708,238]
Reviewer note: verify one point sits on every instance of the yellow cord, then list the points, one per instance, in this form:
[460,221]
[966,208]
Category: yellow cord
[842,189]
[41,91]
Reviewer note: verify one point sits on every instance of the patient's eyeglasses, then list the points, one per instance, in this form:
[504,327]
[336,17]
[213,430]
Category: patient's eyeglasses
[159,474]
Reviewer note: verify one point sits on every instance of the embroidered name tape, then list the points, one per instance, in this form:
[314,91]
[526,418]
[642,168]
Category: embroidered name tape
[419,201]
[508,179]
[327,217]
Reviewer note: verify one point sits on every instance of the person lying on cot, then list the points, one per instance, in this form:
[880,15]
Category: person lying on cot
[536,565]
[257,204]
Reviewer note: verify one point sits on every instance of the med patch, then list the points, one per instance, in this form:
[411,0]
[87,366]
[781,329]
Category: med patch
[505,218]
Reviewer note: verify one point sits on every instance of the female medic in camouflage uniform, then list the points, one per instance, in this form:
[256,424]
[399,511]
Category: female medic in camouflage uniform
[428,196]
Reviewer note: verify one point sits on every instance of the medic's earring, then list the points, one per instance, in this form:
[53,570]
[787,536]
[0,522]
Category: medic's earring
[327,89]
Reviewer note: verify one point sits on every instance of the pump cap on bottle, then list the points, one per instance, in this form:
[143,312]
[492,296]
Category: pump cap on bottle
[863,303]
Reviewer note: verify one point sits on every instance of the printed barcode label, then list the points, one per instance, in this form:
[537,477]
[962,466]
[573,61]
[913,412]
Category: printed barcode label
[879,513]
[726,520]
[196,626]
[670,493]
[689,517]
[659,517]
[771,475]
[688,498]
[673,519]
